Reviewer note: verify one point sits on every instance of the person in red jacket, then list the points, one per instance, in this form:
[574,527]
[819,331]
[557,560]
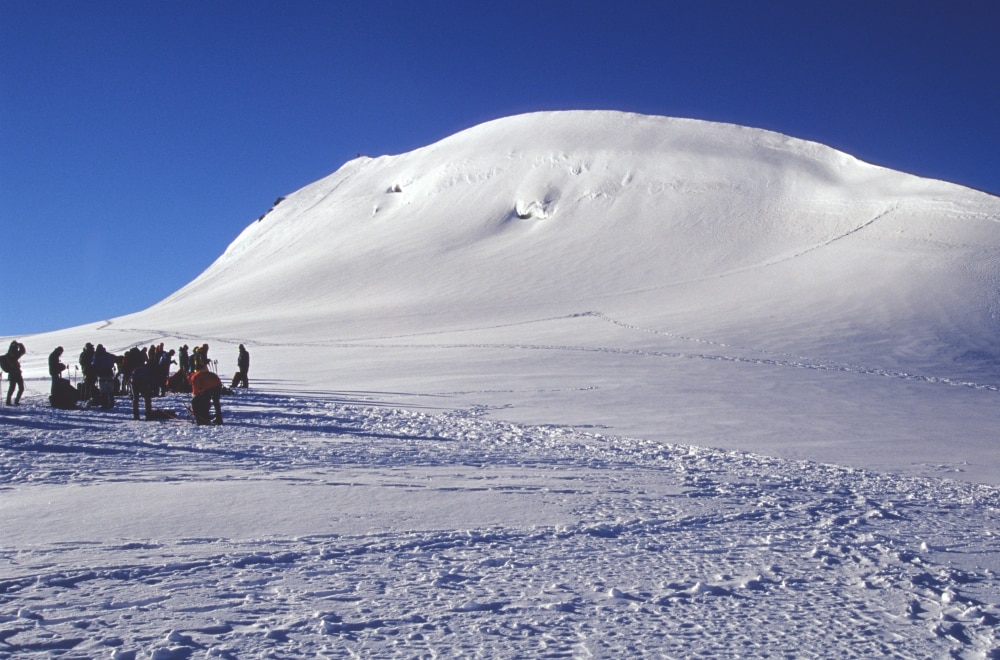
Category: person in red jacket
[206,388]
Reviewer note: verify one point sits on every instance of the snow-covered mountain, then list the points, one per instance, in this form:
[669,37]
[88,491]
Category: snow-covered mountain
[567,266]
[728,232]
[581,384]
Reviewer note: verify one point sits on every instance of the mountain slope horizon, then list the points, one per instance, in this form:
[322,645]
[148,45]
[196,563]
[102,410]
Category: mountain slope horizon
[742,234]
[668,279]
[564,383]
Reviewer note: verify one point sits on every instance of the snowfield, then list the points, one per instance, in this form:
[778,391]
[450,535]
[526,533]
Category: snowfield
[579,384]
[310,527]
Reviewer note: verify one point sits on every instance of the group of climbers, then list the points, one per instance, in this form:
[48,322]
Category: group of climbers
[142,373]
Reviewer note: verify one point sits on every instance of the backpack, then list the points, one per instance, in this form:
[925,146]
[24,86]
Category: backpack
[5,362]
[178,383]
[64,395]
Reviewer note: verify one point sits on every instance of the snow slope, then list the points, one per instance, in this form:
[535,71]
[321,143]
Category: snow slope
[714,228]
[596,267]
[578,384]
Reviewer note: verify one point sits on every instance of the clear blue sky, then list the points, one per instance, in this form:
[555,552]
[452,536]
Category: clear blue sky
[138,138]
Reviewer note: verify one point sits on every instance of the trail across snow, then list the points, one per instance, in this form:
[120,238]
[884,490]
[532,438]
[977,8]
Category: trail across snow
[314,527]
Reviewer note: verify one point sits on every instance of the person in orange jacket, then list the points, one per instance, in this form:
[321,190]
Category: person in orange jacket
[206,389]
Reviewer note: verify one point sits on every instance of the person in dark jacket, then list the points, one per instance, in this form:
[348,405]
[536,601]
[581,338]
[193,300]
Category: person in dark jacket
[132,360]
[166,359]
[243,363]
[89,378]
[199,358]
[63,395]
[144,379]
[56,367]
[183,361]
[103,368]
[12,366]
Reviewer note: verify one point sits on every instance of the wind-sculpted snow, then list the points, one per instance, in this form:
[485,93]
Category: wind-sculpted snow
[312,527]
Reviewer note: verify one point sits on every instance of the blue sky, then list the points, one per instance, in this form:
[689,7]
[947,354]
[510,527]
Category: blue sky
[138,138]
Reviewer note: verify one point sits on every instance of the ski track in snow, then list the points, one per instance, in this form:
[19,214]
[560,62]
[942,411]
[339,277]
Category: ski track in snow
[664,550]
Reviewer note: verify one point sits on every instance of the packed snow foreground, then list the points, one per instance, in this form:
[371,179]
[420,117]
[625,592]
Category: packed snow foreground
[566,385]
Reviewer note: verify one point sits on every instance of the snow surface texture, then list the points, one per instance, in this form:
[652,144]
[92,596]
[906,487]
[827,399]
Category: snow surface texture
[307,529]
[564,384]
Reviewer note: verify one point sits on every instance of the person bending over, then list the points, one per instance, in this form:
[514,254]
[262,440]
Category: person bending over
[206,389]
